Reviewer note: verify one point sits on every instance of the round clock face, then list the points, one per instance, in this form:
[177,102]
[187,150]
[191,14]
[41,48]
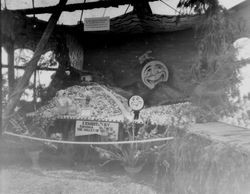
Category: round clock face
[136,103]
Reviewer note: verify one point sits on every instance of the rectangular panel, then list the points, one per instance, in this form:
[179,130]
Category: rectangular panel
[97,24]
[96,127]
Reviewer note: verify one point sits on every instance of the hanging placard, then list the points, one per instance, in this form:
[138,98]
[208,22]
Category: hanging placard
[96,127]
[97,24]
[76,52]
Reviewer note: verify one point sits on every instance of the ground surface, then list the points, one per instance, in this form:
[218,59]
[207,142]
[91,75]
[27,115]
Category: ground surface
[16,180]
[57,175]
[17,176]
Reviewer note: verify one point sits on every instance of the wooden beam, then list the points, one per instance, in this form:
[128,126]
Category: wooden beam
[142,8]
[34,91]
[77,6]
[31,65]
[1,84]
[38,68]
[11,75]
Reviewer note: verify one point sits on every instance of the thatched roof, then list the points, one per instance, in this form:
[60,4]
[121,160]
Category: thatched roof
[91,102]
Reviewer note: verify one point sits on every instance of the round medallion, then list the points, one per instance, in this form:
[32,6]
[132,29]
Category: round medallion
[136,103]
[153,73]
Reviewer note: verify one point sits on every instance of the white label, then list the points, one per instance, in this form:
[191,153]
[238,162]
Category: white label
[96,127]
[97,24]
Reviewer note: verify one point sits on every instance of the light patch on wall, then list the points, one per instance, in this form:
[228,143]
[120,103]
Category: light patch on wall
[243,48]
[228,4]
[245,82]
[4,57]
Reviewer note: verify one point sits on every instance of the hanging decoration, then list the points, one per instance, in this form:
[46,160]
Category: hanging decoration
[76,52]
[153,73]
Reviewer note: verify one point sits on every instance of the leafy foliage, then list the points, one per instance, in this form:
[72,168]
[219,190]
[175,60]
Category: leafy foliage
[133,155]
[174,115]
[241,117]
[199,6]
[203,166]
[216,72]
[48,59]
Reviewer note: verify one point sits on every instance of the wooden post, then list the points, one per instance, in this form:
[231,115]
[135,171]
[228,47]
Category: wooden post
[11,75]
[34,91]
[142,8]
[33,6]
[1,99]
[31,65]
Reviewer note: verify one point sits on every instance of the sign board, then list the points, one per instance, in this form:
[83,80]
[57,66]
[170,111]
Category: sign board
[97,127]
[136,102]
[97,24]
